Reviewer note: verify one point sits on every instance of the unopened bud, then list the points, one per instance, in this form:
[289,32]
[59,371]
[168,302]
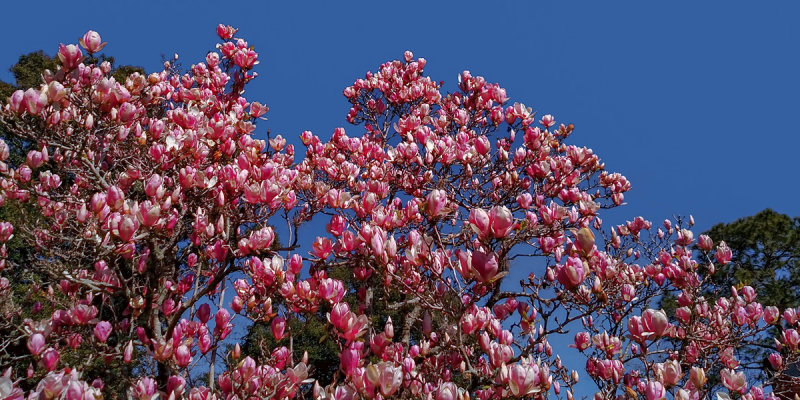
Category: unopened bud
[237,352]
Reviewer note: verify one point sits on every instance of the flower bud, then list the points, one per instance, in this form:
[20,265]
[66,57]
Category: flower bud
[91,42]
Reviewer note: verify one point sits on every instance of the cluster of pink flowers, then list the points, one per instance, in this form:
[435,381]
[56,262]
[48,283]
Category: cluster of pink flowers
[155,191]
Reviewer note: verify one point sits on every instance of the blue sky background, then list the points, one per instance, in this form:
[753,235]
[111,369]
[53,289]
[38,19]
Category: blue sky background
[695,102]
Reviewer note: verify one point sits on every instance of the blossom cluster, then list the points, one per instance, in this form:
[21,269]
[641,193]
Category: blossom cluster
[153,197]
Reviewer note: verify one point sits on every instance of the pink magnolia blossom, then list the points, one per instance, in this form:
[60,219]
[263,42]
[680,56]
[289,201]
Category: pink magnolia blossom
[524,380]
[791,338]
[36,344]
[723,254]
[322,247]
[16,101]
[128,352]
[278,326]
[183,356]
[572,273]
[582,341]
[91,42]
[501,222]
[102,331]
[484,266]
[697,377]
[447,391]
[479,221]
[733,380]
[70,56]
[50,359]
[654,390]
[245,58]
[436,202]
[226,31]
[776,360]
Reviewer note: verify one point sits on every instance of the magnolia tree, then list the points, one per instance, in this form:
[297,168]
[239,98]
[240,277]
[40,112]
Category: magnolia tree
[152,197]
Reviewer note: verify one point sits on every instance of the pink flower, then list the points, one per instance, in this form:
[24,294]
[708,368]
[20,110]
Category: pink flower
[145,389]
[36,344]
[34,101]
[612,370]
[386,377]
[115,197]
[582,341]
[733,380]
[776,361]
[479,220]
[484,265]
[127,354]
[322,247]
[791,338]
[607,343]
[337,225]
[50,359]
[436,202]
[683,314]
[183,356]
[771,314]
[127,228]
[16,101]
[278,326]
[102,331]
[447,391]
[204,343]
[572,273]
[337,316]
[204,313]
[523,379]
[671,372]
[6,231]
[482,145]
[70,56]
[376,242]
[331,290]
[295,263]
[55,91]
[525,200]
[257,109]
[723,254]
[656,322]
[654,391]
[628,292]
[705,243]
[226,31]
[176,385]
[149,213]
[221,320]
[91,42]
[790,315]
[501,221]
[697,376]
[351,357]
[245,58]
[347,323]
[75,390]
[34,159]
[749,294]
[153,184]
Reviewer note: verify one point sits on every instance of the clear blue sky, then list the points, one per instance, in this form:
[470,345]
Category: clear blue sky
[697,103]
